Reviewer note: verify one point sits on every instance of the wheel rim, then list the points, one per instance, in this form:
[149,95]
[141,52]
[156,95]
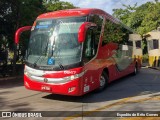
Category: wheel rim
[135,70]
[102,81]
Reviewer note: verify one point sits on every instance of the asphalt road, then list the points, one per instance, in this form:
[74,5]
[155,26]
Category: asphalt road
[125,97]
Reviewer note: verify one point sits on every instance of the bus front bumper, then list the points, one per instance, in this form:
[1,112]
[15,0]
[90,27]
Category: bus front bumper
[73,87]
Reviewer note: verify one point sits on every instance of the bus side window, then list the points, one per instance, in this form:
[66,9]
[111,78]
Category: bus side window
[90,46]
[111,32]
[98,20]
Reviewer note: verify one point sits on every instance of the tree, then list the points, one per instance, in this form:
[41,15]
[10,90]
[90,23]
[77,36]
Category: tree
[142,18]
[17,13]
[123,14]
[54,5]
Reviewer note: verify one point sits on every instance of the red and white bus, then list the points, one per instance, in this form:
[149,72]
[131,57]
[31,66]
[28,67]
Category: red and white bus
[73,52]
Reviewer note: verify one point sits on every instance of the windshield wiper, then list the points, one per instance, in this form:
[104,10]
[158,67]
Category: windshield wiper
[35,63]
[61,66]
[58,52]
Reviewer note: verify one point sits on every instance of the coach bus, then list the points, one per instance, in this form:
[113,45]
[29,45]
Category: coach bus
[75,51]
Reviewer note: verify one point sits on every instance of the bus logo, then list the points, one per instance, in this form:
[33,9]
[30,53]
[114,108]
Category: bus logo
[69,72]
[45,80]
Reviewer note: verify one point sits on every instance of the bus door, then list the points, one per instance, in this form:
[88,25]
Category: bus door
[90,47]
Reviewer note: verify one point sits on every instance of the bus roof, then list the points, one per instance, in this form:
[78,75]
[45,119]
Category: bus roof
[70,13]
[80,12]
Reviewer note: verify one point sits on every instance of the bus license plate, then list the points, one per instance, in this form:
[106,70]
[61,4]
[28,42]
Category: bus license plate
[46,88]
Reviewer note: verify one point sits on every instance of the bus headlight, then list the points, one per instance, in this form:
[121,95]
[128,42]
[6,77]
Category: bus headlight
[72,77]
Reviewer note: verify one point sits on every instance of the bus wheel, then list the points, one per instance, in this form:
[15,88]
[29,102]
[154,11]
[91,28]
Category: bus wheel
[135,69]
[103,82]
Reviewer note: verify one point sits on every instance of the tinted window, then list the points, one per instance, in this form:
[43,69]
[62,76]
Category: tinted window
[114,32]
[153,44]
[98,20]
[90,45]
[138,44]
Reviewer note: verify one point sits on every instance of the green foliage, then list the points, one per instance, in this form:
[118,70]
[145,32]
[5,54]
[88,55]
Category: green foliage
[123,14]
[145,58]
[142,18]
[110,27]
[17,13]
[54,5]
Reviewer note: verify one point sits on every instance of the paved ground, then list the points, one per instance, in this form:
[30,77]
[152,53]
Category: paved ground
[133,93]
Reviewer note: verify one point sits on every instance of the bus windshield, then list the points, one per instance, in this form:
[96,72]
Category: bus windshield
[55,42]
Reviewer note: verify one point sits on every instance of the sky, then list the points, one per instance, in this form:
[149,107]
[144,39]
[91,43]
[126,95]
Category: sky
[106,5]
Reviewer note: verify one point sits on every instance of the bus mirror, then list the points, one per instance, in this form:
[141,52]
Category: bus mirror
[83,29]
[19,31]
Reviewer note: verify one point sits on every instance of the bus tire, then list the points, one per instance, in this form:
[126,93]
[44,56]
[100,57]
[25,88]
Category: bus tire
[135,69]
[103,82]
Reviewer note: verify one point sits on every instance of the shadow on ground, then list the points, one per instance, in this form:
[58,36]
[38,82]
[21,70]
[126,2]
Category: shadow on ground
[145,82]
[11,78]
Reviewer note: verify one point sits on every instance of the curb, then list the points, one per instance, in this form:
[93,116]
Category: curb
[145,67]
[155,68]
[11,80]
